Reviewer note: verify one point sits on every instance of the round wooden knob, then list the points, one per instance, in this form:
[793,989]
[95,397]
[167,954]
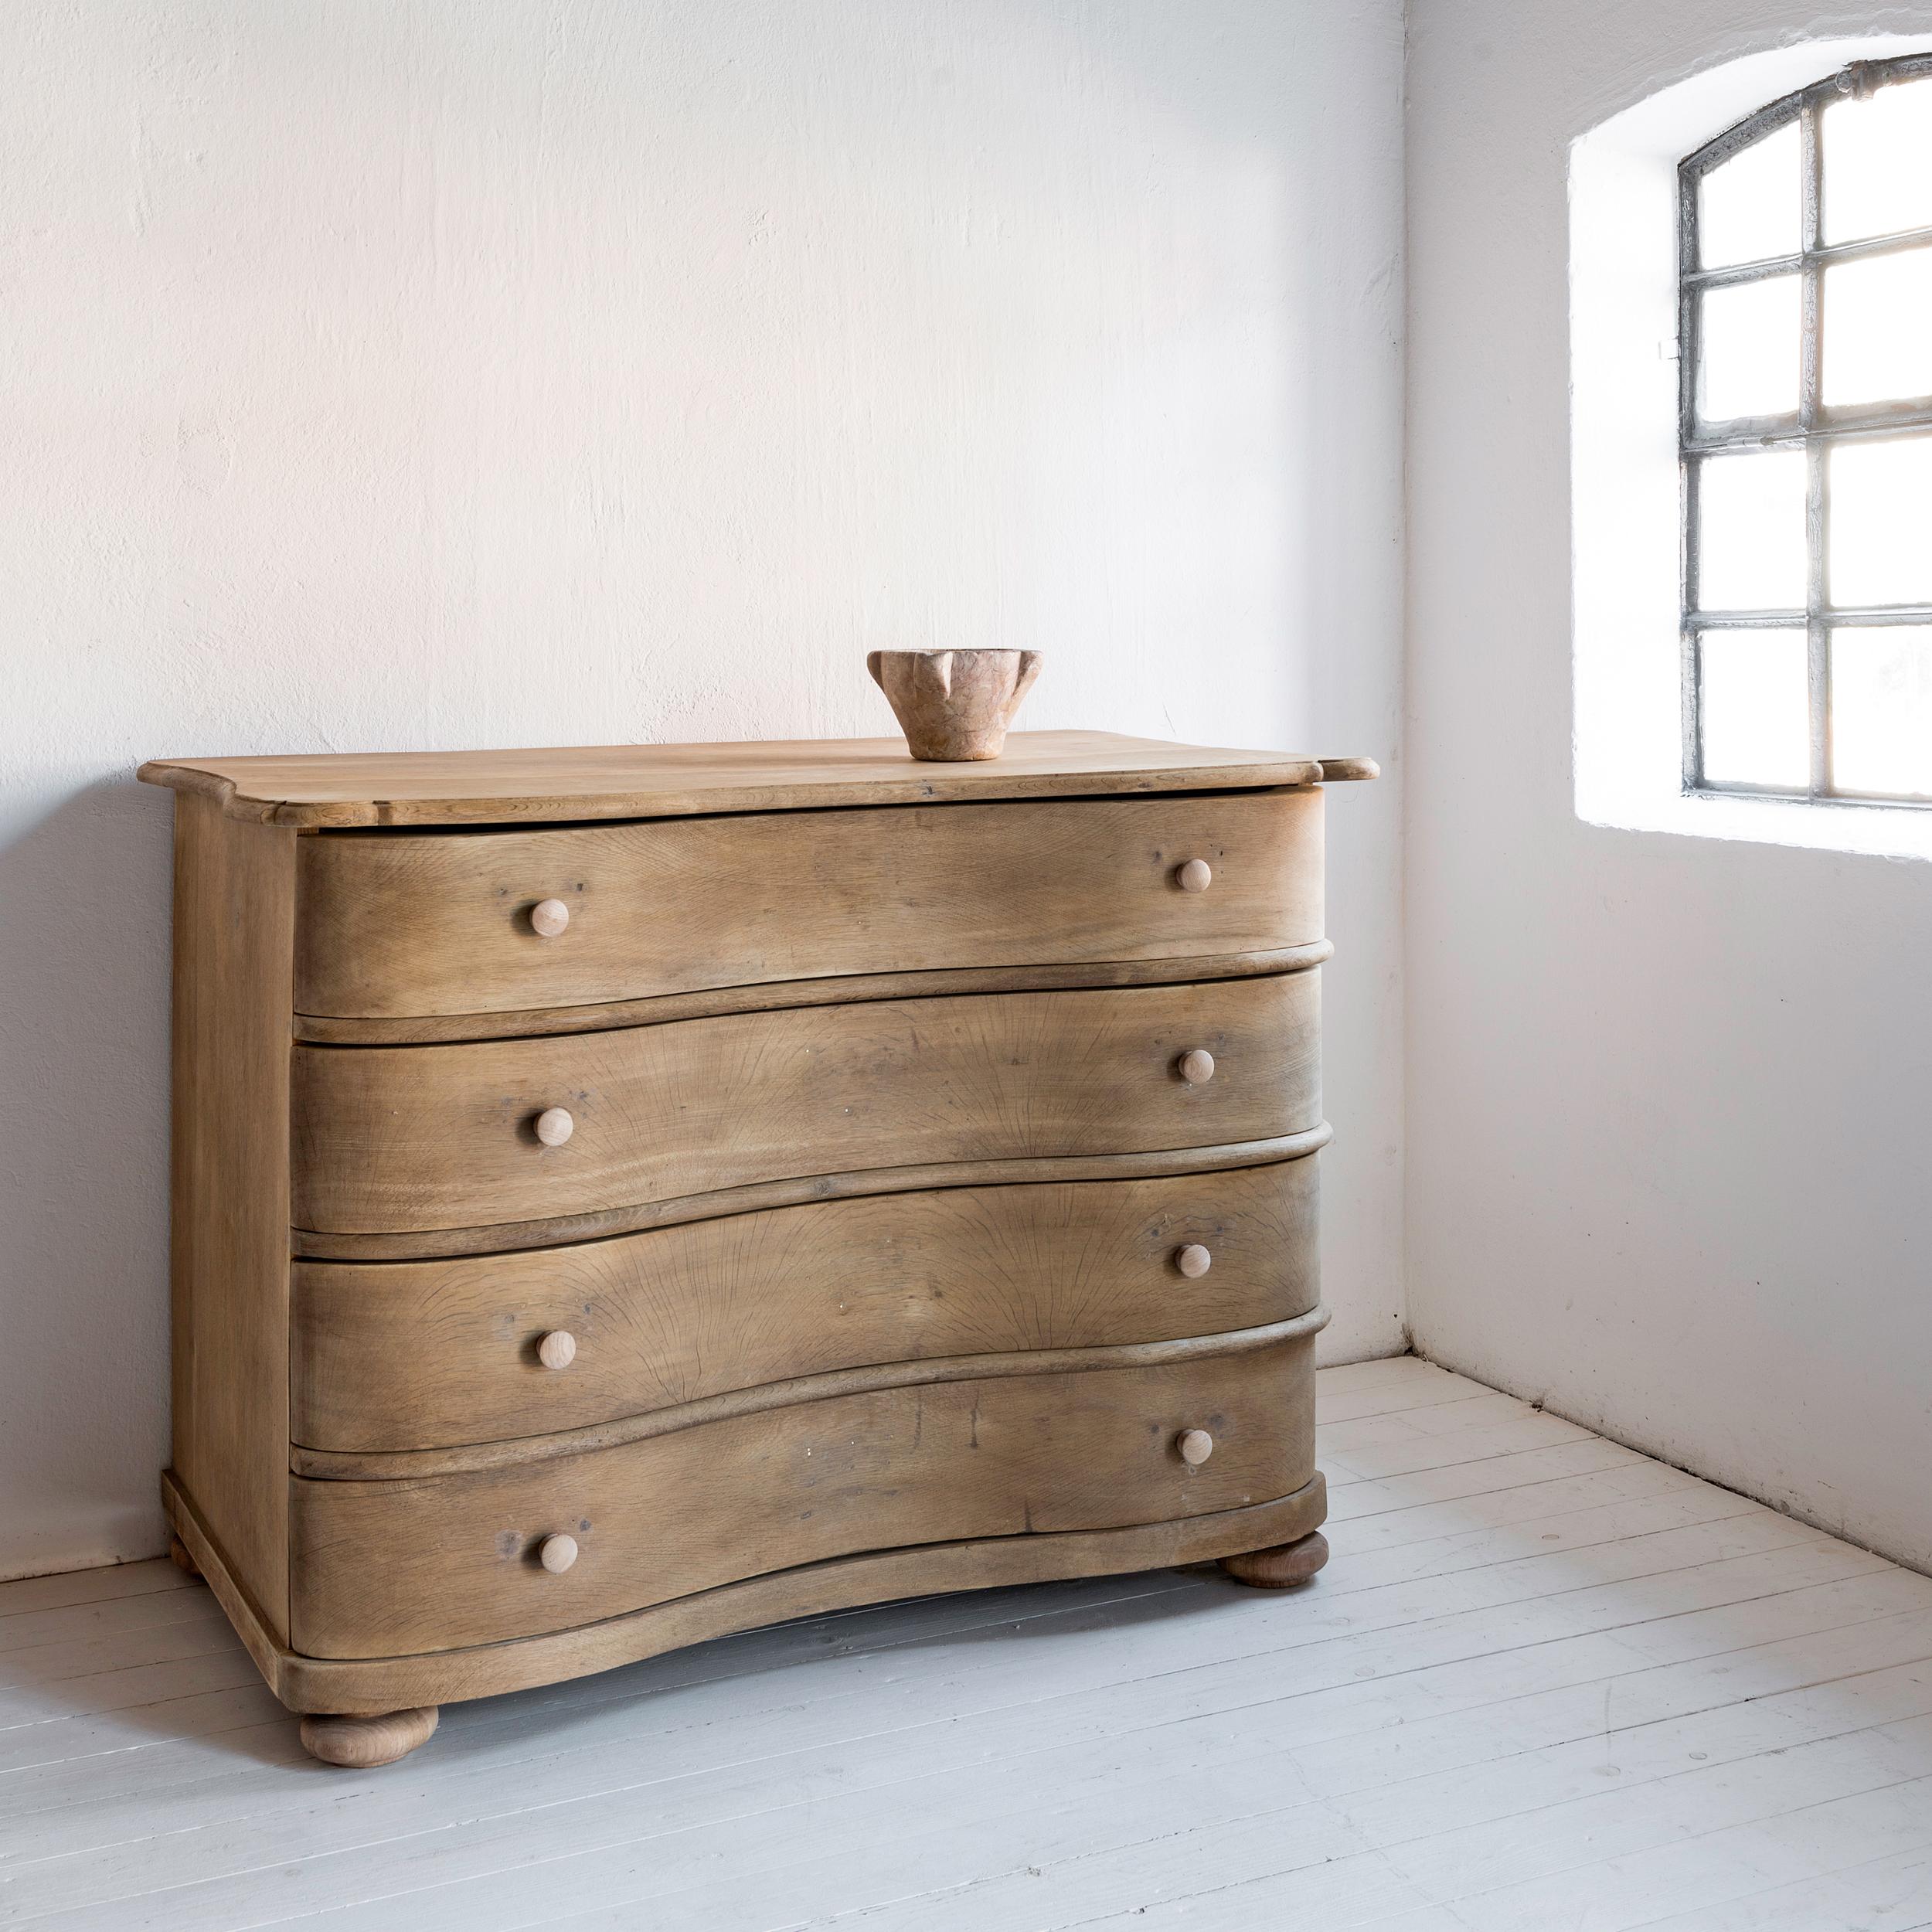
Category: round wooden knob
[557,1553]
[1195,876]
[1196,1446]
[549,916]
[554,1125]
[1197,1067]
[1194,1260]
[558,1349]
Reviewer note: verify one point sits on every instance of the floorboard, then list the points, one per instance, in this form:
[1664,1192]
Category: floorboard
[1544,1682]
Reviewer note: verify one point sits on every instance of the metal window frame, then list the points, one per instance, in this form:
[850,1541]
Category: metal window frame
[1812,427]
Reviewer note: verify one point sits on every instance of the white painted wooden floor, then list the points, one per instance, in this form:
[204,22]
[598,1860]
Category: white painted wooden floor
[1544,1684]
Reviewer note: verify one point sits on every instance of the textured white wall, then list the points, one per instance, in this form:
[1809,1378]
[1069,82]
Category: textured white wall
[1666,1125]
[493,371]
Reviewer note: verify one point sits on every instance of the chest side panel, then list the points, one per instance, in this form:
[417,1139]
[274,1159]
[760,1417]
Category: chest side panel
[234,933]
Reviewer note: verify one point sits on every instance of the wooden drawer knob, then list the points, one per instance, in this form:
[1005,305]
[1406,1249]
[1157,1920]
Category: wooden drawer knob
[1195,876]
[558,1349]
[1194,1260]
[557,1553]
[1196,1446]
[554,1125]
[549,916]
[1197,1067]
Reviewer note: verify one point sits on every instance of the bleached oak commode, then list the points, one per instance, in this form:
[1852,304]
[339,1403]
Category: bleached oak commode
[624,1197]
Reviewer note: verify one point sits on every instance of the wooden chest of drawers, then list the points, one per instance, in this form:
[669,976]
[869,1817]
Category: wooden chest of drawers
[624,1196]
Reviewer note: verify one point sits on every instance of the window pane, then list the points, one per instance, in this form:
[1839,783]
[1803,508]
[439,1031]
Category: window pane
[1750,546]
[1878,328]
[1878,163]
[1749,362]
[1882,709]
[1881,498]
[1748,207]
[1752,706]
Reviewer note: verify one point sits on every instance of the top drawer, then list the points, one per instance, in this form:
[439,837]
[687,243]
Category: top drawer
[393,925]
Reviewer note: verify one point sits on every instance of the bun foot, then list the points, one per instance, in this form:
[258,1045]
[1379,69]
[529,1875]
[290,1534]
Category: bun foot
[178,1554]
[361,1744]
[1282,1567]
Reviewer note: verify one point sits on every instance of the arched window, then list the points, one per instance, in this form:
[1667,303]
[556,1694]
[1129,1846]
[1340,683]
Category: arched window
[1805,431]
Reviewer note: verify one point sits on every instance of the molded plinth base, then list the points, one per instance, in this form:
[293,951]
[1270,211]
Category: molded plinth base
[378,1686]
[1282,1567]
[362,1743]
[178,1554]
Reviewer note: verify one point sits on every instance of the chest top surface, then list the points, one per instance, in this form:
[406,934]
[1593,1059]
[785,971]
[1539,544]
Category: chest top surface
[322,790]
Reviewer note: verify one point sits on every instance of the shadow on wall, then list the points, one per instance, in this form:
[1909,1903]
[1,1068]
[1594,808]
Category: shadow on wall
[83,1187]
[575,373]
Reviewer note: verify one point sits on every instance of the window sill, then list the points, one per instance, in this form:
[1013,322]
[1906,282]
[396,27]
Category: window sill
[1877,831]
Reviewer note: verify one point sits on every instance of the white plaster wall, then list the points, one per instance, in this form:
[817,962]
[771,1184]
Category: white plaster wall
[1668,1121]
[493,371]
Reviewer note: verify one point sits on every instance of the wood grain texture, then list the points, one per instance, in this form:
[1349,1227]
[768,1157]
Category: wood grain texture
[387,1568]
[669,781]
[361,1744]
[234,937]
[773,996]
[409,1465]
[425,1137]
[1283,1567]
[954,705]
[417,1355]
[395,925]
[266,1643]
[879,1116]
[503,1237]
[377,1685]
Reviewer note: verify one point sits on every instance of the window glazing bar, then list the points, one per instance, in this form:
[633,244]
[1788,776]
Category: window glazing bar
[1852,618]
[1823,256]
[1817,506]
[1862,78]
[1770,432]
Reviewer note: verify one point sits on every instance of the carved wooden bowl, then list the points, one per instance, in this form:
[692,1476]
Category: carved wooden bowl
[954,706]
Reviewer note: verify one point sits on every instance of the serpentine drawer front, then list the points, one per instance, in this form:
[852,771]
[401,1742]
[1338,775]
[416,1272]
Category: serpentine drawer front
[392,924]
[422,1138]
[413,1354]
[624,1195]
[398,1567]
